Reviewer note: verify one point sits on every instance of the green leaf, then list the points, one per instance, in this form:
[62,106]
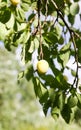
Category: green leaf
[61,82]
[20,15]
[66,113]
[79,87]
[11,22]
[22,37]
[2,4]
[78,42]
[20,75]
[29,72]
[61,41]
[44,96]
[61,100]
[34,45]
[40,90]
[33,5]
[58,31]
[27,46]
[52,94]
[67,10]
[46,106]
[64,54]
[49,80]
[5,15]
[73,73]
[55,112]
[31,16]
[74,8]
[25,6]
[51,38]
[26,1]
[79,100]
[37,87]
[72,101]
[3,32]
[71,19]
[61,22]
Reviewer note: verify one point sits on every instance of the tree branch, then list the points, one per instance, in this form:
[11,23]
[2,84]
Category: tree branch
[76,60]
[39,29]
[72,34]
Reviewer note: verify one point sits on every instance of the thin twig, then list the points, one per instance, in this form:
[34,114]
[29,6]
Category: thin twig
[76,60]
[46,7]
[39,28]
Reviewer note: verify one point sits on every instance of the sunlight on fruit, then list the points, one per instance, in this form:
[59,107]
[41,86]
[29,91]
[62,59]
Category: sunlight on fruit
[15,2]
[42,66]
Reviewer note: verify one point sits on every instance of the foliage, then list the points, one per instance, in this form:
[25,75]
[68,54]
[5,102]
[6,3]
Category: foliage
[42,30]
[18,104]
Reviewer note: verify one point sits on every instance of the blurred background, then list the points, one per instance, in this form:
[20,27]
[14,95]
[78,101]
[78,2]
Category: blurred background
[19,107]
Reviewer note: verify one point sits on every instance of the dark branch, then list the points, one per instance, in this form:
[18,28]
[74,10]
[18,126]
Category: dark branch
[39,28]
[72,35]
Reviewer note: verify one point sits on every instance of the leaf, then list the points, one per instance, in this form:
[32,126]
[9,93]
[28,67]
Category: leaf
[55,112]
[50,38]
[29,72]
[53,35]
[31,16]
[2,4]
[73,73]
[3,32]
[79,87]
[64,54]
[33,5]
[5,15]
[40,90]
[61,22]
[20,75]
[25,6]
[27,54]
[46,106]
[11,22]
[34,45]
[44,96]
[37,87]
[58,31]
[72,101]
[78,44]
[61,100]
[71,19]
[20,15]
[52,94]
[22,37]
[26,1]
[61,82]
[67,10]
[74,8]
[49,80]
[79,100]
[66,113]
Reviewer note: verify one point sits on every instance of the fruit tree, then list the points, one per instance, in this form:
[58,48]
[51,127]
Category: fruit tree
[49,34]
